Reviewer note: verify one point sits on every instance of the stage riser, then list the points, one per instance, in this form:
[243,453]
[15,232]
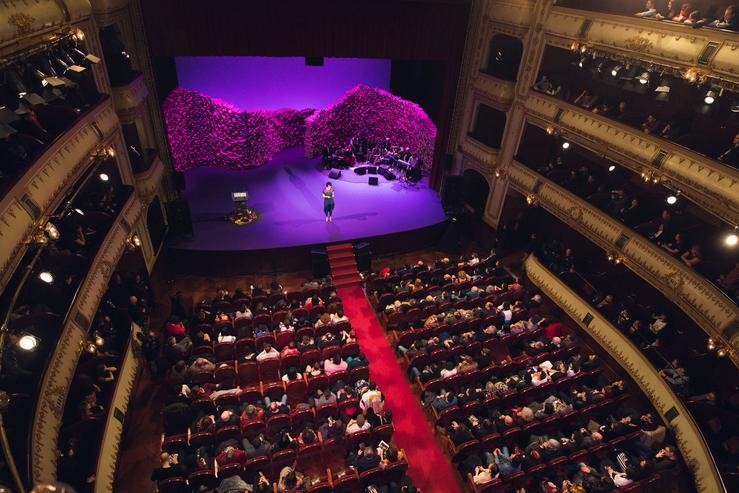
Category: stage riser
[226,263]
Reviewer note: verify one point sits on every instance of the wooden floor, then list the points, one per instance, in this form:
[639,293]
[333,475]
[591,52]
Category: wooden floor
[140,444]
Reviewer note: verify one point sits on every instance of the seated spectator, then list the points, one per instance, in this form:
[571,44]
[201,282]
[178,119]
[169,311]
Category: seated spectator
[651,125]
[358,424]
[668,12]
[649,10]
[366,459]
[684,13]
[484,474]
[289,480]
[728,21]
[730,280]
[334,365]
[692,257]
[169,468]
[268,352]
[731,155]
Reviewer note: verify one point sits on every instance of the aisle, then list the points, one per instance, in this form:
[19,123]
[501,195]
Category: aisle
[429,468]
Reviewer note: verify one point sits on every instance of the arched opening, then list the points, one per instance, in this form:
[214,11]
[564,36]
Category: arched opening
[156,225]
[504,57]
[488,126]
[475,190]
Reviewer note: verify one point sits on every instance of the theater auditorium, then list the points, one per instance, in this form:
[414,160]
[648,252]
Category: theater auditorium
[378,246]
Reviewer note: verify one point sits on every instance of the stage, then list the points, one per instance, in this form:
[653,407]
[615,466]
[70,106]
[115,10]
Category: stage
[287,194]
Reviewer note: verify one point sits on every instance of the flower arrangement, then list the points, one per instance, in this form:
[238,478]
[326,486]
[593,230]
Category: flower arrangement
[205,131]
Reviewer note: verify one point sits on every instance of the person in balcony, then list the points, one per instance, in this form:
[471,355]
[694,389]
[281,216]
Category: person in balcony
[651,125]
[684,13]
[731,155]
[668,12]
[692,257]
[728,21]
[649,10]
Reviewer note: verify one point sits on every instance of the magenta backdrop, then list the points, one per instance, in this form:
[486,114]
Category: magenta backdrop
[272,83]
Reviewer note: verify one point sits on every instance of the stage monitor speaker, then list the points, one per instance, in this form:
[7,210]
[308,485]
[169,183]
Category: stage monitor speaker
[373,180]
[334,174]
[314,61]
[319,262]
[361,170]
[178,216]
[372,170]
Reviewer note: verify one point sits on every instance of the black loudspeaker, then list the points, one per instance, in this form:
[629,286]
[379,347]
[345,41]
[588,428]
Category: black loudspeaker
[373,180]
[314,61]
[364,256]
[360,170]
[319,262]
[386,173]
[178,215]
[334,174]
[372,170]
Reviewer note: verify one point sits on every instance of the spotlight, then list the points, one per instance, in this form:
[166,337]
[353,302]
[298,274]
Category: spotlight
[612,168]
[51,231]
[643,78]
[615,70]
[710,97]
[46,276]
[565,145]
[79,35]
[79,211]
[671,200]
[731,240]
[136,240]
[99,340]
[550,130]
[91,348]
[721,352]
[104,177]
[711,345]
[28,342]
[110,152]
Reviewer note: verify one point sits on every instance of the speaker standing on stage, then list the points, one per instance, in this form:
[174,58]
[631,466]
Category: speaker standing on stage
[328,201]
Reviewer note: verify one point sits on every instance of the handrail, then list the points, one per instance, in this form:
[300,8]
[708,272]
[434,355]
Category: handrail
[712,185]
[60,370]
[688,436]
[110,443]
[709,307]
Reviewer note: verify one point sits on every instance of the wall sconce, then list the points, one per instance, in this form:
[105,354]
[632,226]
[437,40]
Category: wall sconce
[532,200]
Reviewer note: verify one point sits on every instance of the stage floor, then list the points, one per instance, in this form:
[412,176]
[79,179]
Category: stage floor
[287,193]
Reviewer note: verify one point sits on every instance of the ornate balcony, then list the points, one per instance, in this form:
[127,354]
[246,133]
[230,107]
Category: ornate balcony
[147,182]
[711,309]
[497,91]
[44,183]
[515,13]
[667,43]
[60,370]
[692,445]
[129,98]
[479,152]
[709,183]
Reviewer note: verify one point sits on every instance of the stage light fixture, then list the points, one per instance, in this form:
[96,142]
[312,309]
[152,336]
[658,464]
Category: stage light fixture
[731,240]
[565,145]
[721,352]
[28,342]
[78,35]
[612,168]
[671,200]
[615,70]
[51,231]
[710,97]
[104,177]
[601,66]
[643,78]
[136,240]
[711,344]
[79,211]
[46,276]
[735,106]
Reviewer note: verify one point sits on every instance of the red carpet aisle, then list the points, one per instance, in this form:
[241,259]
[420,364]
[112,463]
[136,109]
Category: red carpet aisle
[429,469]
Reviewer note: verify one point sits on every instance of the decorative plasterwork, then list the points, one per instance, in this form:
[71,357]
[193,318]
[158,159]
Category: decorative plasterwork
[60,371]
[148,182]
[493,89]
[108,6]
[517,13]
[711,309]
[130,98]
[689,439]
[45,181]
[661,42]
[24,19]
[479,152]
[111,439]
[712,185]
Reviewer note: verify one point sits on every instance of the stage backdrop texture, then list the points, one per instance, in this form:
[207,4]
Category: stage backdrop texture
[205,131]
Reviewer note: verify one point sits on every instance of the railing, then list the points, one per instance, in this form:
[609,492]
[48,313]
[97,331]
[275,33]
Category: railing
[688,436]
[111,439]
[43,184]
[713,51]
[494,89]
[711,309]
[57,378]
[712,185]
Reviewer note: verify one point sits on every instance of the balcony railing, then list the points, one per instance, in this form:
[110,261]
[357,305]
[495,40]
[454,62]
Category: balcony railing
[709,183]
[44,423]
[688,436]
[709,307]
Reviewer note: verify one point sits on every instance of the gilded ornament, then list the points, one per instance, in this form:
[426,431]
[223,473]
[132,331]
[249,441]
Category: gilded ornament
[22,22]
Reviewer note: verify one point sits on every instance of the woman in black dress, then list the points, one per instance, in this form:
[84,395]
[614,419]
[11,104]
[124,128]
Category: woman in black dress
[328,201]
